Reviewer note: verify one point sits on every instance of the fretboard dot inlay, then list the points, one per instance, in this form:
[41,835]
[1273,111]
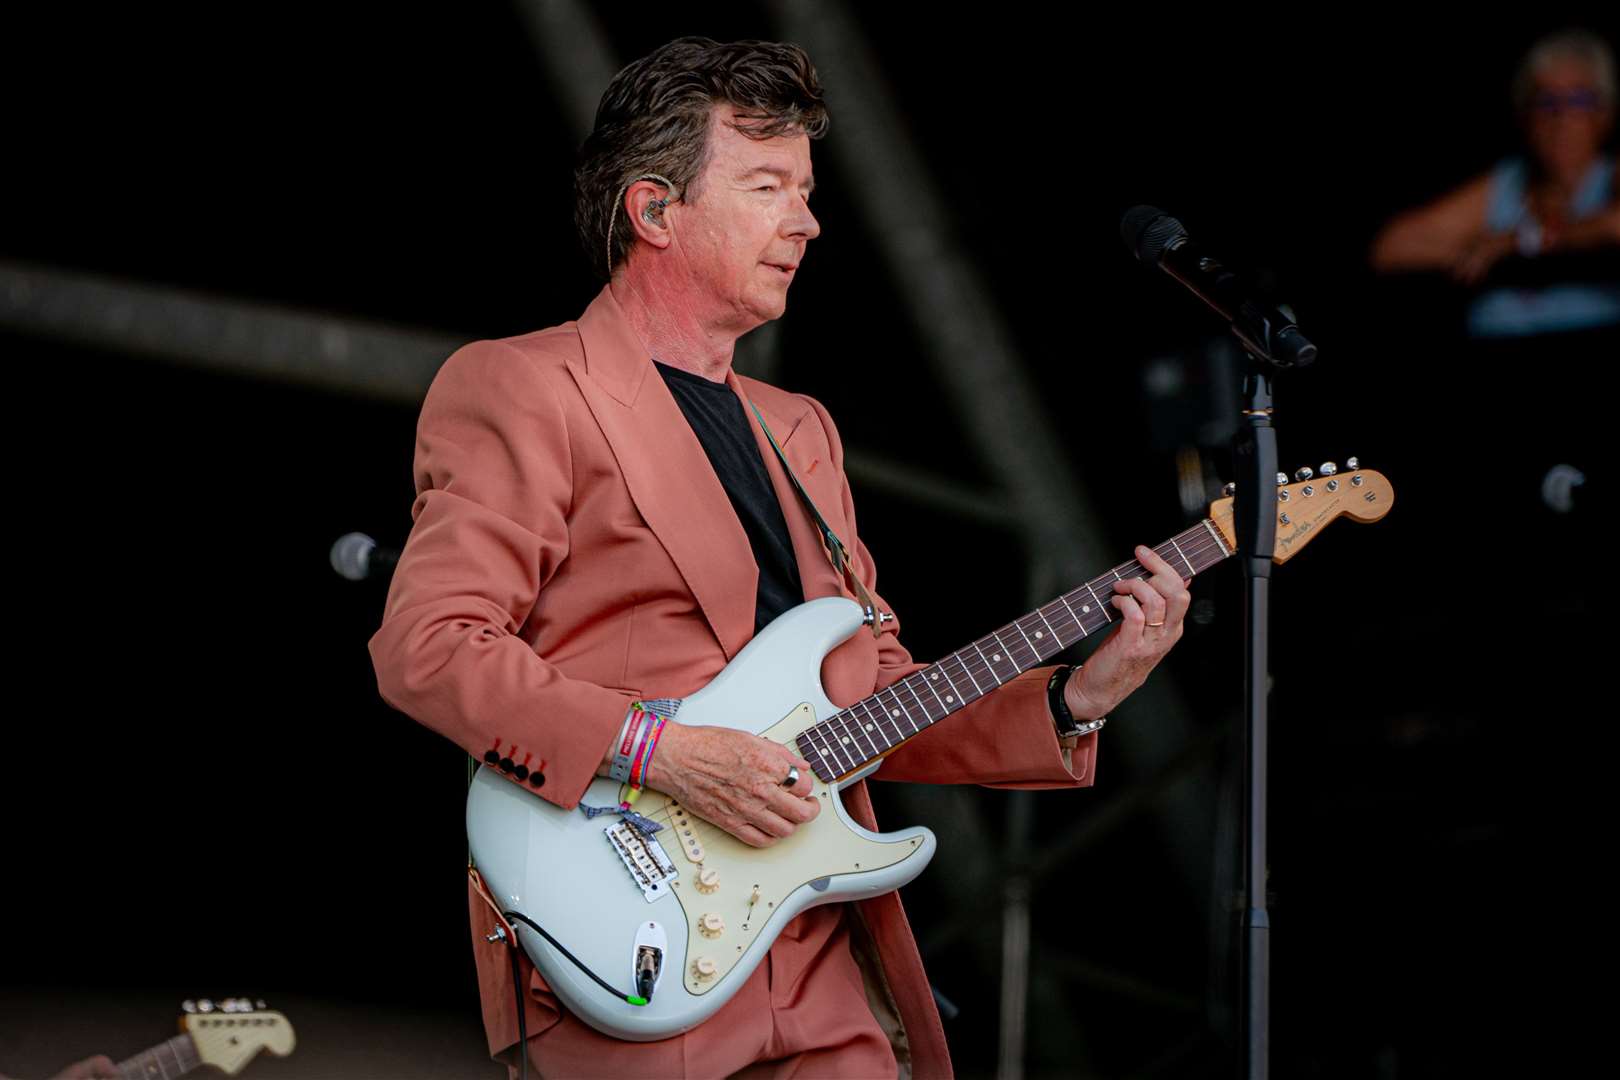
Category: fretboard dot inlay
[1086,608]
[846,740]
[996,657]
[868,727]
[895,713]
[1040,633]
[949,698]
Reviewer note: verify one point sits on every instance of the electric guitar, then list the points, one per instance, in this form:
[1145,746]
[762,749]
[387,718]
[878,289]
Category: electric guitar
[681,916]
[226,1036]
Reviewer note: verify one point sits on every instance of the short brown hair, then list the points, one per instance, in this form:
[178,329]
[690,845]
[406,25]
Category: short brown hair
[654,118]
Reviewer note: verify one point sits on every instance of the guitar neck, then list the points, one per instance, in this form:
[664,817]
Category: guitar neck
[174,1058]
[854,738]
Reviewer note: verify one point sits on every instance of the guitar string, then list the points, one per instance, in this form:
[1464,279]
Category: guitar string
[1197,543]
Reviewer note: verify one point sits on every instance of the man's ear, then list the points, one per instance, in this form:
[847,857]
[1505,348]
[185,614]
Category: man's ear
[644,202]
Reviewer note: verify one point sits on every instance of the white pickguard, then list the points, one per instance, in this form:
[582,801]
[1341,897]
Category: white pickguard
[558,868]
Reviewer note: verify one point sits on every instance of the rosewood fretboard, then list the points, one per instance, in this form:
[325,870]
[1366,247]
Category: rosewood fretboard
[849,740]
[174,1058]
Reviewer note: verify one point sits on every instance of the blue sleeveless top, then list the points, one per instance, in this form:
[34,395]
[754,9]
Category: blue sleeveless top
[1517,312]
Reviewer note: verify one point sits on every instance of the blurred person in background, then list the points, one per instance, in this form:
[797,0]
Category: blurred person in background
[1556,199]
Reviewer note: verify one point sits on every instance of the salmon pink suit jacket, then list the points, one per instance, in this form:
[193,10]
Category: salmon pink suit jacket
[573,551]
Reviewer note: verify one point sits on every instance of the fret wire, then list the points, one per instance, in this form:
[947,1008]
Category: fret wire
[1183,556]
[809,735]
[844,743]
[898,704]
[859,731]
[968,672]
[1027,640]
[1049,629]
[190,1059]
[870,730]
[875,725]
[891,731]
[843,740]
[879,716]
[1083,631]
[828,750]
[986,660]
[825,749]
[1004,650]
[855,731]
[945,671]
[943,711]
[912,690]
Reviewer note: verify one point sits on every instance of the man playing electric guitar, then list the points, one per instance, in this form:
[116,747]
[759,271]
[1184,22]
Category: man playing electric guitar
[602,524]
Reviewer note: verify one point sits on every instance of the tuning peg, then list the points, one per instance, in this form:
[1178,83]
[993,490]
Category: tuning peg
[1327,469]
[1303,473]
[205,1006]
[259,1005]
[1352,463]
[1282,478]
[1229,489]
[188,1007]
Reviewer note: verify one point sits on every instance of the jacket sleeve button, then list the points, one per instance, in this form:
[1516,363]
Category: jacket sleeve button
[536,778]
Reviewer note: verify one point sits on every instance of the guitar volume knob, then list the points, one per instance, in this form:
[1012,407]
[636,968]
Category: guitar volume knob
[708,880]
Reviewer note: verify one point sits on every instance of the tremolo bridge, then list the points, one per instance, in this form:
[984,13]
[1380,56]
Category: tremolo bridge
[650,867]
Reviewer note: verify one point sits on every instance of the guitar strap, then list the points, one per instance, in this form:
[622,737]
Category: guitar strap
[836,552]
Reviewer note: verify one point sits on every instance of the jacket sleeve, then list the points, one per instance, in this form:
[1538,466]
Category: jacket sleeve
[493,487]
[1006,739]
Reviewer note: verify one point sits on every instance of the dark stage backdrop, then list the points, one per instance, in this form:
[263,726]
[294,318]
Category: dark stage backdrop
[201,792]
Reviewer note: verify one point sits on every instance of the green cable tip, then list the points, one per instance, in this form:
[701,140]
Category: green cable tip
[632,999]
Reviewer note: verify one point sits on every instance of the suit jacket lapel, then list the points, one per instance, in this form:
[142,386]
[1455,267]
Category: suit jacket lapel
[669,476]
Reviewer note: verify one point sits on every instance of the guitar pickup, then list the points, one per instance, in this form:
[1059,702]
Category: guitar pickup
[686,833]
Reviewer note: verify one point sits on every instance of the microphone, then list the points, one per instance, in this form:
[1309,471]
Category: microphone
[1160,240]
[357,557]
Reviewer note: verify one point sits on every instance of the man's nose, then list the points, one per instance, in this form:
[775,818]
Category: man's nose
[802,223]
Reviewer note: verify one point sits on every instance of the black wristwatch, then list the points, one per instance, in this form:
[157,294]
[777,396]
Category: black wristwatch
[1067,726]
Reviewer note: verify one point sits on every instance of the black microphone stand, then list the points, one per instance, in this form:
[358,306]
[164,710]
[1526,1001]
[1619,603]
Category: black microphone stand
[1254,449]
[1254,454]
[1272,343]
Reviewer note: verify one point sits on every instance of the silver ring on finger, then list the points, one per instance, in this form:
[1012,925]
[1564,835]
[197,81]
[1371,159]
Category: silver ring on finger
[792,777]
[1159,623]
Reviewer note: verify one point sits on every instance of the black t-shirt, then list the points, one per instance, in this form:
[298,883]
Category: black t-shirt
[718,420]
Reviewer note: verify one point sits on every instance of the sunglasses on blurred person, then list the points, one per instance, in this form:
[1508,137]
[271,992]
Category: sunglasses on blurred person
[1552,103]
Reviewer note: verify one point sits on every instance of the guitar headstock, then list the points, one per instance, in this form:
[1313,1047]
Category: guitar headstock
[230,1033]
[1314,498]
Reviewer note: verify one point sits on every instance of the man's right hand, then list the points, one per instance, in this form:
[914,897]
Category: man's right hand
[734,779]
